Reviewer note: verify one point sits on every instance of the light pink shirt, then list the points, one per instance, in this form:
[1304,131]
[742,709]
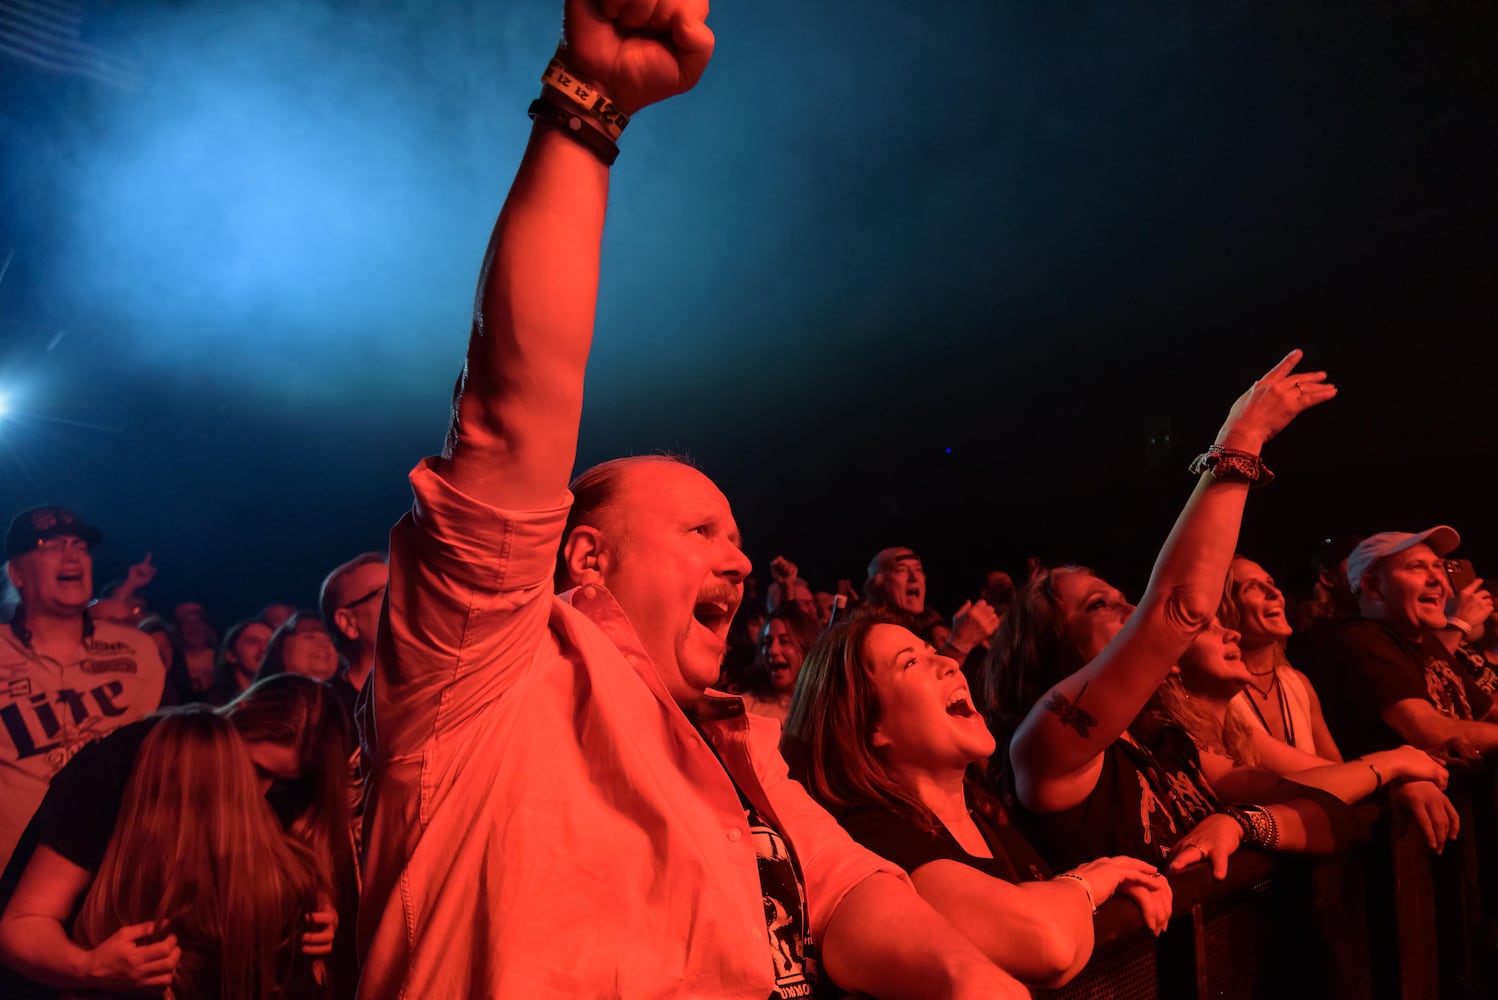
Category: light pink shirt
[543,819]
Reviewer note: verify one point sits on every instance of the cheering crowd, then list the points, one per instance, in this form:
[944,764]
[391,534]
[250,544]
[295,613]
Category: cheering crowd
[546,747]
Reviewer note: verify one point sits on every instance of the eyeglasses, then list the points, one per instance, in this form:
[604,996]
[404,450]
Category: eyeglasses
[62,543]
[367,597]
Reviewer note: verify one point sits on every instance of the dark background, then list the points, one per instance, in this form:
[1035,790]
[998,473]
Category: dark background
[976,277]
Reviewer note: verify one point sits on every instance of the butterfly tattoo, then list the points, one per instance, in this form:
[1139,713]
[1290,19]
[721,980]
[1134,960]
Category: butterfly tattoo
[1072,714]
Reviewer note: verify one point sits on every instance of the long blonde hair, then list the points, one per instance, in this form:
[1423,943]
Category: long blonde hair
[1232,738]
[197,850]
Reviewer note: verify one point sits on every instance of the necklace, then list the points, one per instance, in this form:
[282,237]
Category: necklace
[1268,689]
[1274,687]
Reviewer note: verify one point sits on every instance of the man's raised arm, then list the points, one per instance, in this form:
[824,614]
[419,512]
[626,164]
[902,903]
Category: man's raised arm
[517,406]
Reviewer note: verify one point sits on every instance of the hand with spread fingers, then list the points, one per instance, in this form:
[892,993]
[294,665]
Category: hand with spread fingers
[638,51]
[1268,406]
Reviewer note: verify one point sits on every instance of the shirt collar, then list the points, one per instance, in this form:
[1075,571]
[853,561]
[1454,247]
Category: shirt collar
[599,607]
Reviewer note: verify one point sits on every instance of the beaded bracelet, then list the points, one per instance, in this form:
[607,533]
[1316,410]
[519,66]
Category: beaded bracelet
[1086,887]
[1260,828]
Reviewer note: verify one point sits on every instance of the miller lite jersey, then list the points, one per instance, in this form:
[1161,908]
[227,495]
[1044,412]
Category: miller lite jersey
[49,709]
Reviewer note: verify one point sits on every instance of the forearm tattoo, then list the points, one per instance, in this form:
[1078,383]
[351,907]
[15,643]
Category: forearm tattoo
[1071,714]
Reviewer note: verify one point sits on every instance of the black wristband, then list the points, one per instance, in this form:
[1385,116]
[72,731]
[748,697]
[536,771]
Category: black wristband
[1241,818]
[576,128]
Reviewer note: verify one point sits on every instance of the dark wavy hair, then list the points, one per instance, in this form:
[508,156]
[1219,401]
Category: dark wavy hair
[755,678]
[1028,655]
[828,739]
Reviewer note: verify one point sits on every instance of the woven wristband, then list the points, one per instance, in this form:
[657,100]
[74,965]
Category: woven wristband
[582,98]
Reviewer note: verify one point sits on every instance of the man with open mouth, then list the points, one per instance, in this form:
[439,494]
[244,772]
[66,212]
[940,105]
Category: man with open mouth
[1386,677]
[557,805]
[65,680]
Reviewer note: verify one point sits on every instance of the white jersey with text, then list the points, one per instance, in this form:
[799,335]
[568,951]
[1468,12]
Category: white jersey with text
[49,709]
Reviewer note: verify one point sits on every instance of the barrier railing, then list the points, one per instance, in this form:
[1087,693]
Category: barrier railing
[1389,920]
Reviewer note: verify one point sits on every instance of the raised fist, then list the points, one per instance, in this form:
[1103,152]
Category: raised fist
[637,51]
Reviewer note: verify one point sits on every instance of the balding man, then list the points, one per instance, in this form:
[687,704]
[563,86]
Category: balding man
[559,808]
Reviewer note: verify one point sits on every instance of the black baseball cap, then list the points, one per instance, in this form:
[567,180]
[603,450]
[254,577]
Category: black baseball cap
[33,526]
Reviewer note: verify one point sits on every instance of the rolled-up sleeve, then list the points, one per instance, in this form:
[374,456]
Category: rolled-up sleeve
[469,599]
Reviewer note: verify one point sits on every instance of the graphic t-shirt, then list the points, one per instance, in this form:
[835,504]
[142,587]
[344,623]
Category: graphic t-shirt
[1149,794]
[784,894]
[785,911]
[1478,668]
[1370,667]
[51,709]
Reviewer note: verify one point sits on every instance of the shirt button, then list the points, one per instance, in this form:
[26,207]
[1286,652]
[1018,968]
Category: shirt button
[735,834]
[631,659]
[590,591]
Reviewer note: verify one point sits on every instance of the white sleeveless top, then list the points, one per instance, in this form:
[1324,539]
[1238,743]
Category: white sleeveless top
[1294,693]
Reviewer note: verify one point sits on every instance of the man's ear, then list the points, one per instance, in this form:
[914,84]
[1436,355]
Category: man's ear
[14,573]
[584,556]
[346,624]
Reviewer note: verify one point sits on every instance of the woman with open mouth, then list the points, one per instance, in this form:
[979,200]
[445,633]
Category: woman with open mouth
[1278,698]
[782,644]
[1088,759]
[882,732]
[1201,697]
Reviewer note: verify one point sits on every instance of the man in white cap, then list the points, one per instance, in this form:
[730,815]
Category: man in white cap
[1386,677]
